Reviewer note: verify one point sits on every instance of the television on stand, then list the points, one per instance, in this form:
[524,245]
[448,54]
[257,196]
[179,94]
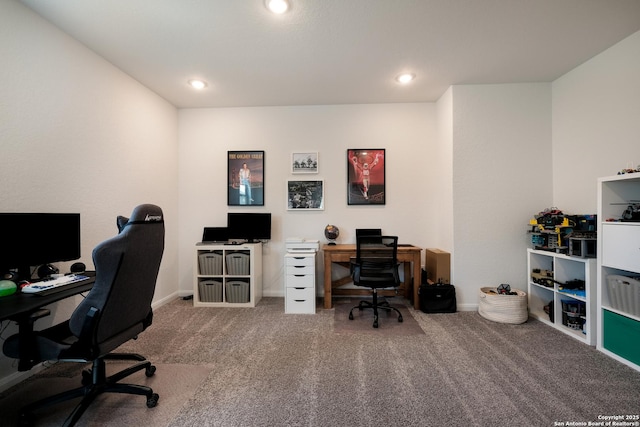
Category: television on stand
[252,227]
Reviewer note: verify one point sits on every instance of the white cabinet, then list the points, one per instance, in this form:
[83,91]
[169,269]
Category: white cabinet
[227,275]
[300,283]
[619,269]
[552,279]
[621,246]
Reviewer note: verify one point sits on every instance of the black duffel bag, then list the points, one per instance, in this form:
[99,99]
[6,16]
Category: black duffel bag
[437,298]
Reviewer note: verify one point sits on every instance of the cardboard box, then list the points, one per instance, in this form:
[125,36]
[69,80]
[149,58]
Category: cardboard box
[438,265]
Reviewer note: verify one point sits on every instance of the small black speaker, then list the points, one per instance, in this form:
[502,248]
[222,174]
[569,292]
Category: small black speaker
[10,275]
[46,270]
[78,267]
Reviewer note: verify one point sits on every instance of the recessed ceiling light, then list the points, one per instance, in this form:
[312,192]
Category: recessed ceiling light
[197,84]
[277,6]
[405,78]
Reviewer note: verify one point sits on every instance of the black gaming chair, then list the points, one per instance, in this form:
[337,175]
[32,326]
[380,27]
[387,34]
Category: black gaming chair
[117,309]
[376,267]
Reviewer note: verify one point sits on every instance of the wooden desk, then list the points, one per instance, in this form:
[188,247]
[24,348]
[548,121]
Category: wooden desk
[341,254]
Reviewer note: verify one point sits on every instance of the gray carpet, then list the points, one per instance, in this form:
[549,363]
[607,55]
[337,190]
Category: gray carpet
[362,322]
[261,367]
[173,381]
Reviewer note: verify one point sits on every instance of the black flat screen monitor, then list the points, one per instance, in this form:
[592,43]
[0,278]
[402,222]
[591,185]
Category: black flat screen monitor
[249,226]
[33,239]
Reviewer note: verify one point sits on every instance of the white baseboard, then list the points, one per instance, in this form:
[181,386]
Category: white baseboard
[163,301]
[467,307]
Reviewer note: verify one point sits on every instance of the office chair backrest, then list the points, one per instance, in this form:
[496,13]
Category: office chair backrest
[368,232]
[377,249]
[127,267]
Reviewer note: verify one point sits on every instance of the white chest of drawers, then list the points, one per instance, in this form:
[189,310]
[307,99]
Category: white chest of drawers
[300,283]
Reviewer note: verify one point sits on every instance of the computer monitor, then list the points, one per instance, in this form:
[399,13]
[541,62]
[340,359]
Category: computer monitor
[247,226]
[33,239]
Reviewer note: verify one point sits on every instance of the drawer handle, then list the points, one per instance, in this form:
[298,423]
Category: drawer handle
[299,288]
[300,300]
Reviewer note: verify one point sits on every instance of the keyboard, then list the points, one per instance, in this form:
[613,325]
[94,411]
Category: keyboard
[53,284]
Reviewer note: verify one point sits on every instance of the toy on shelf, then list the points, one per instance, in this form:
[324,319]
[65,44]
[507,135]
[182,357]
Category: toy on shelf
[629,170]
[630,214]
[575,235]
[543,277]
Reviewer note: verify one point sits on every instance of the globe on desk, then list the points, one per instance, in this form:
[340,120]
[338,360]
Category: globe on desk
[331,232]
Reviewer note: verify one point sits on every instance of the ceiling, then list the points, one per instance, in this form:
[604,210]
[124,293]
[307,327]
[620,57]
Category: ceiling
[339,51]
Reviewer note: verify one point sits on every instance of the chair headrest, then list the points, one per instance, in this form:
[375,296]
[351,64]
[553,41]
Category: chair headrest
[142,214]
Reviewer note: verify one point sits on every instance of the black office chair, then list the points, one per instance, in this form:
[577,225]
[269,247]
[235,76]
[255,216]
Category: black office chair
[116,310]
[376,267]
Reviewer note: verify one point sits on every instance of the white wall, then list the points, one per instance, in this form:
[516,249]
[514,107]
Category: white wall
[501,177]
[596,124]
[78,135]
[440,172]
[406,131]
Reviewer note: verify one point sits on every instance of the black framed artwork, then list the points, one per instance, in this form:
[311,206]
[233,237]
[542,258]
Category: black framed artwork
[366,176]
[305,194]
[245,178]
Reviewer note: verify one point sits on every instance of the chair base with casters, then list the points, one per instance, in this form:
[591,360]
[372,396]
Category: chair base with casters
[95,382]
[375,306]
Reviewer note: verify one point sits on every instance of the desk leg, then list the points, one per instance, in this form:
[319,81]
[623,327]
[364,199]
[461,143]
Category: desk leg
[417,279]
[327,280]
[407,279]
[26,339]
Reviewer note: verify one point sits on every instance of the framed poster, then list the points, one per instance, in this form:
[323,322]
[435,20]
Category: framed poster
[366,177]
[245,178]
[306,162]
[307,195]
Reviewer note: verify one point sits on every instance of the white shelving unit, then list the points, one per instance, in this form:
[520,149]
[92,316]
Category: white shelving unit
[227,275]
[574,312]
[618,255]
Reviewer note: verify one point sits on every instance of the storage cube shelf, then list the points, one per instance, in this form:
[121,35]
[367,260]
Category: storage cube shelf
[227,275]
[571,311]
[619,270]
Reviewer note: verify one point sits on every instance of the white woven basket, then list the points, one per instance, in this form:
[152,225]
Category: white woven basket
[503,308]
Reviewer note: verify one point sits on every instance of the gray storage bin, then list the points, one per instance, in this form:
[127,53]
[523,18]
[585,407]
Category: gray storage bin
[237,291]
[624,294]
[210,290]
[238,264]
[210,263]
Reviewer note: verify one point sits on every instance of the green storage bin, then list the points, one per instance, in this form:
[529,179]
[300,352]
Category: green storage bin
[621,335]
